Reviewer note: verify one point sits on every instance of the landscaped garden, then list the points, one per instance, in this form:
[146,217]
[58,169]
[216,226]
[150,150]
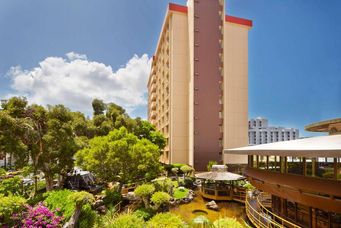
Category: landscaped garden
[43,182]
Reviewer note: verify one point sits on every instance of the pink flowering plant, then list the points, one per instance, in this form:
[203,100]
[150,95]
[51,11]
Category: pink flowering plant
[38,216]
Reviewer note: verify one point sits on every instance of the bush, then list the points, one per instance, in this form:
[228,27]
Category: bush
[165,185]
[10,205]
[2,172]
[64,202]
[11,186]
[60,200]
[127,221]
[165,220]
[144,190]
[160,198]
[189,182]
[145,213]
[210,164]
[186,169]
[180,193]
[248,186]
[38,216]
[112,197]
[227,223]
[87,217]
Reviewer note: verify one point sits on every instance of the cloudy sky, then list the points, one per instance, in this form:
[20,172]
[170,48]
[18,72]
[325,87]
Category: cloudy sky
[62,51]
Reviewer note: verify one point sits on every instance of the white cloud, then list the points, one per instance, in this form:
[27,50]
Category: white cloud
[74,81]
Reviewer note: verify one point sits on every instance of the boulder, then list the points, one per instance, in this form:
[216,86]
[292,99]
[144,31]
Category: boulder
[212,205]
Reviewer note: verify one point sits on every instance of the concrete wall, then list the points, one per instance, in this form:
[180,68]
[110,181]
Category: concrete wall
[179,77]
[235,90]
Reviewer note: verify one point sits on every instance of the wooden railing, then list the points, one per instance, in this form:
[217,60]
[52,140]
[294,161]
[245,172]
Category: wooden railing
[261,217]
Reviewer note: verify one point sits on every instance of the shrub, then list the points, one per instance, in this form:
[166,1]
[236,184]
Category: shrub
[38,216]
[180,193]
[144,191]
[60,200]
[2,172]
[128,221]
[248,186]
[165,185]
[10,205]
[165,220]
[11,186]
[210,164]
[189,182]
[87,217]
[160,198]
[186,169]
[145,213]
[112,197]
[227,223]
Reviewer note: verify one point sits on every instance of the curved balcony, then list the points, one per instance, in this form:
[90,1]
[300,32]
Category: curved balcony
[260,216]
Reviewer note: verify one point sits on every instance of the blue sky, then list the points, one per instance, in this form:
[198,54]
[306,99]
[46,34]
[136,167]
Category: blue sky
[294,53]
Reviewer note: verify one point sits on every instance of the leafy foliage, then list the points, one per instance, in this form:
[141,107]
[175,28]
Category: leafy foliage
[186,169]
[60,200]
[11,186]
[145,191]
[180,193]
[160,198]
[210,164]
[127,221]
[120,156]
[87,217]
[166,220]
[227,223]
[164,185]
[112,197]
[145,213]
[10,205]
[38,216]
[2,172]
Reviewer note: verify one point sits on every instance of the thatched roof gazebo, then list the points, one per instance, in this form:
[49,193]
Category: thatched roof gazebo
[219,184]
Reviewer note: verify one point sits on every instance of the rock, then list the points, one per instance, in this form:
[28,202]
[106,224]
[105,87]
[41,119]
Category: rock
[102,209]
[212,205]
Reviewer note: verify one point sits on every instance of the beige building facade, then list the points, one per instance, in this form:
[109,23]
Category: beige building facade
[198,85]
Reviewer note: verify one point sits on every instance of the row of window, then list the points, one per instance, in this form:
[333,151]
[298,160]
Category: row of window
[328,168]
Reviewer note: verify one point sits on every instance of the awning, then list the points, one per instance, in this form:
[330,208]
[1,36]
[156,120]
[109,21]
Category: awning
[322,146]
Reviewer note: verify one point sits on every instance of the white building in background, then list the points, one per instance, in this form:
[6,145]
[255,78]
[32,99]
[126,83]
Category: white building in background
[260,132]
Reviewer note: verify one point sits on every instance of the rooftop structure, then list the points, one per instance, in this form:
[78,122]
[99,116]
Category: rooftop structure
[332,126]
[198,85]
[303,177]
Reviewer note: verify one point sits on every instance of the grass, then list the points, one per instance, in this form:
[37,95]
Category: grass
[180,193]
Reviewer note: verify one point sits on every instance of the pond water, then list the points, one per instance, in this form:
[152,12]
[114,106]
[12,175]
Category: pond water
[198,208]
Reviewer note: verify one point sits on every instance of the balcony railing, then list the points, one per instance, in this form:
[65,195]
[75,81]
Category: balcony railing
[261,217]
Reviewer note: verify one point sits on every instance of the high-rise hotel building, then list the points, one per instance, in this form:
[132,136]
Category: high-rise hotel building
[198,85]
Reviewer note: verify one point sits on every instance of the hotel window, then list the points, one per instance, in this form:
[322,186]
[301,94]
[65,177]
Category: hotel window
[295,165]
[325,168]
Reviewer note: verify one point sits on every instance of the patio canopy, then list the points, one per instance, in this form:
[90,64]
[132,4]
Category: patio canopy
[322,146]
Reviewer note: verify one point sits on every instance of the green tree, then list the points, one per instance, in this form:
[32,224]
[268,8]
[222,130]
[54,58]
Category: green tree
[144,192]
[15,107]
[186,169]
[127,221]
[144,129]
[120,154]
[98,106]
[160,199]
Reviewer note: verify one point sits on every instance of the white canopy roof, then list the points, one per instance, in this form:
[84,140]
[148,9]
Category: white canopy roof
[322,146]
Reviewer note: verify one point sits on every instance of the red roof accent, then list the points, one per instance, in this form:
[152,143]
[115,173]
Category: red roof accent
[178,8]
[238,20]
[232,19]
